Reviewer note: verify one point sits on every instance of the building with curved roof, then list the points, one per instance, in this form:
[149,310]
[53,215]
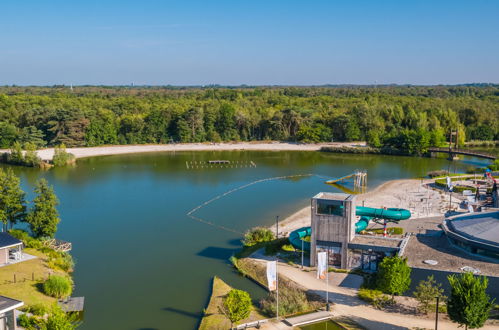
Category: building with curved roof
[477,233]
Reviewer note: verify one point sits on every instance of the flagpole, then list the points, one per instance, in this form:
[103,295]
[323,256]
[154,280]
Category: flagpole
[277,290]
[276,272]
[327,280]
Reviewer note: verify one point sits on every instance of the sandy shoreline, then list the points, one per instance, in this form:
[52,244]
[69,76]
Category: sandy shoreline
[47,154]
[403,193]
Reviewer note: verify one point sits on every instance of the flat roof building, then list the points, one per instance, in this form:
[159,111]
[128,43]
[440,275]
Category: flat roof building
[7,315]
[477,233]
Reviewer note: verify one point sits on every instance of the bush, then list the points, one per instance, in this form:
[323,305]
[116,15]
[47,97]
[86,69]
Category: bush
[257,235]
[58,286]
[28,322]
[37,309]
[27,240]
[375,298]
[275,246]
[390,231]
[433,174]
[61,260]
[237,305]
[291,301]
[62,157]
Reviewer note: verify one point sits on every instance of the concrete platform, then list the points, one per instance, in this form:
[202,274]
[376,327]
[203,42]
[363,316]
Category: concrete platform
[308,318]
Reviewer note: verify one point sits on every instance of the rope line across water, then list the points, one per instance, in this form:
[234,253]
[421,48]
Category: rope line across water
[197,208]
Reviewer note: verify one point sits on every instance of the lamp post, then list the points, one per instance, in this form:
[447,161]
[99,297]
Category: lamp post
[302,253]
[277,227]
[436,315]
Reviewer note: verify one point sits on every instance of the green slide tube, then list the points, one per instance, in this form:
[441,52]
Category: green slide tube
[365,213]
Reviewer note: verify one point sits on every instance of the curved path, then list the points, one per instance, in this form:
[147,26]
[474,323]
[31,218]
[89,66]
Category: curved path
[347,304]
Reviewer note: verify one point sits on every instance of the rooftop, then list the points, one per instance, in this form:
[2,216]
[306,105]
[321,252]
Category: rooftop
[7,240]
[378,241]
[333,196]
[482,227]
[8,304]
[449,257]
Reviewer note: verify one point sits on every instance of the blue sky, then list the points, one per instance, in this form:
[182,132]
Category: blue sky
[248,42]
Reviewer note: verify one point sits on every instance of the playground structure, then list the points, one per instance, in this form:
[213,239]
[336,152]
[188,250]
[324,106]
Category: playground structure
[366,214]
[359,181]
[335,230]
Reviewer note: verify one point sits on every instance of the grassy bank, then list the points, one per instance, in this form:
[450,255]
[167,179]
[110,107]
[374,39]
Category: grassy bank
[212,318]
[25,288]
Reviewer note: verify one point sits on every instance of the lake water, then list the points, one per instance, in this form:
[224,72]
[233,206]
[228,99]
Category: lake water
[142,263]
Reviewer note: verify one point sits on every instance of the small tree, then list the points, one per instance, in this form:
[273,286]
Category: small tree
[12,202]
[236,305]
[61,156]
[426,293]
[43,218]
[468,303]
[394,275]
[257,235]
[31,157]
[16,154]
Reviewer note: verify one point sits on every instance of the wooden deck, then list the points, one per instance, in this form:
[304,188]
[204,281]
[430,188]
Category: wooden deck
[463,152]
[308,318]
[72,304]
[58,245]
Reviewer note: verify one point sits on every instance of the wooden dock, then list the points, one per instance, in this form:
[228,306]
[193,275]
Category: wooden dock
[218,163]
[72,304]
[58,245]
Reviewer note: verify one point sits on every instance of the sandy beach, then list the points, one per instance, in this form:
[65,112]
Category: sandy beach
[47,154]
[411,194]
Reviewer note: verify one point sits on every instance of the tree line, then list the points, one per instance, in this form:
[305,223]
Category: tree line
[402,117]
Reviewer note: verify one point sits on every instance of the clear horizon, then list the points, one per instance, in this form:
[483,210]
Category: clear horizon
[258,43]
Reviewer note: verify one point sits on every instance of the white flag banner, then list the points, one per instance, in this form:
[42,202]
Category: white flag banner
[272,275]
[321,265]
[449,184]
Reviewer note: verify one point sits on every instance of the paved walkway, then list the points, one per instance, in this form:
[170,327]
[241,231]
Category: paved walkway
[347,304]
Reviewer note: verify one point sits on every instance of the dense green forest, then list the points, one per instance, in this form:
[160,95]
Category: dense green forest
[409,118]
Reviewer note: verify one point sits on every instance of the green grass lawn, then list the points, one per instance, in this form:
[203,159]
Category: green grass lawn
[25,288]
[213,319]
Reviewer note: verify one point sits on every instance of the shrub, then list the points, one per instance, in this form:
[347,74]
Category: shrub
[257,235]
[61,260]
[61,156]
[375,298]
[390,231]
[29,322]
[433,174]
[58,286]
[27,240]
[37,309]
[291,301]
[237,305]
[275,246]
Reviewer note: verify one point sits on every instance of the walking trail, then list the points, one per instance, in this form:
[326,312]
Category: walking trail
[343,294]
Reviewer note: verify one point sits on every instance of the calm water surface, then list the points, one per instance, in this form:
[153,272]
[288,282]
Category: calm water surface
[141,263]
